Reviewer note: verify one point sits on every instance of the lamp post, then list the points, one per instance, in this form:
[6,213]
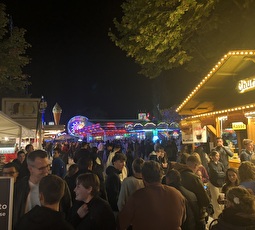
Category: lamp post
[40,120]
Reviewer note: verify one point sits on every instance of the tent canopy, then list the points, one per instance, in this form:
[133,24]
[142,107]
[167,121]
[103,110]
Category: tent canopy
[12,129]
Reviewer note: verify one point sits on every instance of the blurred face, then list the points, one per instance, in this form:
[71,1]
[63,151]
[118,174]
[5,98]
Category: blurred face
[21,157]
[39,169]
[119,164]
[219,142]
[249,147]
[56,154]
[232,177]
[216,157]
[82,194]
[11,172]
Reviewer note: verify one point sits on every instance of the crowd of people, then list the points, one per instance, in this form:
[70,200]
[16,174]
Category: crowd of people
[132,185]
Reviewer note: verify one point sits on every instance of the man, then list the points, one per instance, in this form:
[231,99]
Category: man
[58,165]
[131,183]
[23,170]
[82,152]
[46,216]
[194,184]
[113,182]
[11,169]
[156,206]
[224,152]
[26,191]
[246,153]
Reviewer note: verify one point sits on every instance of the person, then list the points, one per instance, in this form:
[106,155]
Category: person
[194,184]
[246,153]
[246,172]
[173,178]
[201,168]
[217,174]
[11,169]
[117,149]
[113,182]
[26,190]
[82,152]
[224,152]
[47,216]
[156,206]
[131,183]
[85,164]
[21,156]
[91,212]
[58,165]
[2,163]
[231,180]
[23,170]
[239,213]
[159,155]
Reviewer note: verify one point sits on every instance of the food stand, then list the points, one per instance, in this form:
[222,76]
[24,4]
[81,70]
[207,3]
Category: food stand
[224,99]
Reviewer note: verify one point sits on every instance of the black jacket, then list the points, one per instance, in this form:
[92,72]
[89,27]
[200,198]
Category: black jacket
[21,191]
[42,218]
[113,185]
[99,217]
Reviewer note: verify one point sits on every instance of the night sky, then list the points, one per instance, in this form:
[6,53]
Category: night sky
[74,62]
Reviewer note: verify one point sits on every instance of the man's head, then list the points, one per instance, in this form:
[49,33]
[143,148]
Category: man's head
[87,186]
[51,189]
[193,162]
[173,178]
[29,148]
[248,144]
[137,165]
[119,161]
[219,141]
[38,164]
[152,172]
[21,155]
[56,152]
[11,169]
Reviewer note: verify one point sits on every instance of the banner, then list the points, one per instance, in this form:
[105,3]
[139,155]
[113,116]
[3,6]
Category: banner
[6,202]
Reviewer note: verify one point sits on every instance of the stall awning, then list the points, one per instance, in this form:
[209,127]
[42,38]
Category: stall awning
[12,129]
[230,84]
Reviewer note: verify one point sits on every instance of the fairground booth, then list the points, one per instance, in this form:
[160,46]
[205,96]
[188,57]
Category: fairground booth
[223,103]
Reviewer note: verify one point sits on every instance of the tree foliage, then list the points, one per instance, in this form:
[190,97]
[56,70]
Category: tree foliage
[161,35]
[12,56]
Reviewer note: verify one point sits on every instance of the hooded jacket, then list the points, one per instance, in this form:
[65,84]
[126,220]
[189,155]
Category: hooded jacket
[113,185]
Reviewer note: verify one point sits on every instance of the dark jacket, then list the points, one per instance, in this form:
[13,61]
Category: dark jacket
[99,217]
[230,220]
[194,184]
[217,173]
[224,152]
[42,218]
[113,185]
[21,191]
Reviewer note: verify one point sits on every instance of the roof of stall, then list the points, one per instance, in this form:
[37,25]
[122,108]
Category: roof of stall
[219,88]
[10,128]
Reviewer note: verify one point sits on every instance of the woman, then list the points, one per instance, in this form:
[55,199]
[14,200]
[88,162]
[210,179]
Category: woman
[92,212]
[231,180]
[217,179]
[239,213]
[246,173]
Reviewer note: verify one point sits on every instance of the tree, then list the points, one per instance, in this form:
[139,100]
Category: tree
[12,57]
[162,35]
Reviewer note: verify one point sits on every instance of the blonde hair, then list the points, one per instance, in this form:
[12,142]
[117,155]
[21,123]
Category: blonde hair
[246,171]
[197,156]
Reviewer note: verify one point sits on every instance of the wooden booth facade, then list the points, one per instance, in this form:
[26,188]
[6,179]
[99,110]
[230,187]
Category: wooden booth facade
[224,101]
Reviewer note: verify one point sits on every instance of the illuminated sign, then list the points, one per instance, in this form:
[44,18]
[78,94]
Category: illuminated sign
[246,85]
[238,126]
